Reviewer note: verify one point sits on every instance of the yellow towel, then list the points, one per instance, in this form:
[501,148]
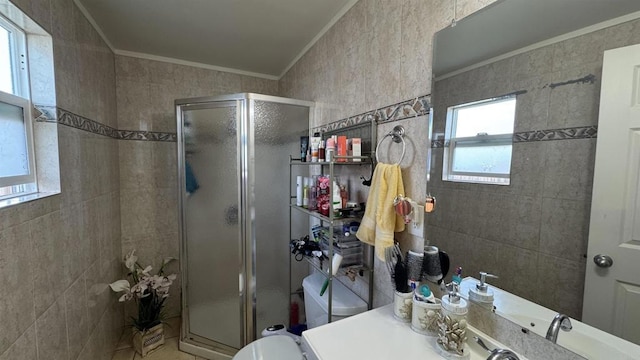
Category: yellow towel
[380,220]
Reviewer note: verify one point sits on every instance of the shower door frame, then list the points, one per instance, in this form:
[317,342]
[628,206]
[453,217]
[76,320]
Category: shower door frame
[245,105]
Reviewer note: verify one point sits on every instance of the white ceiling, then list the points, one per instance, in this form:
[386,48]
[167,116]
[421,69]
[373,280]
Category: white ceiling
[257,37]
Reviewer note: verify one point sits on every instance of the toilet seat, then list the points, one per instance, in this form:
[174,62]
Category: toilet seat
[277,347]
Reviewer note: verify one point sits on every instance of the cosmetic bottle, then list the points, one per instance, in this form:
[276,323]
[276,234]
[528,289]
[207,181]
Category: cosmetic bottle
[305,193]
[313,205]
[299,192]
[321,154]
[330,149]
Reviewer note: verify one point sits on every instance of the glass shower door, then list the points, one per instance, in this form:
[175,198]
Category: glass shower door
[277,128]
[212,223]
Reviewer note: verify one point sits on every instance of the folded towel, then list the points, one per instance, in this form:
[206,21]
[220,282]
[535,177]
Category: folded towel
[380,220]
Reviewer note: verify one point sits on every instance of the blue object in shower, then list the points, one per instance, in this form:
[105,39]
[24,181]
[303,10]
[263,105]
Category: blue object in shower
[190,179]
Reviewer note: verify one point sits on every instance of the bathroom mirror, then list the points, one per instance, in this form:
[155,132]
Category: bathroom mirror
[532,233]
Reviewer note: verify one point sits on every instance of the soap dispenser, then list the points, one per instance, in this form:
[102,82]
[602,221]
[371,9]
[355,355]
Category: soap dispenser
[481,294]
[452,324]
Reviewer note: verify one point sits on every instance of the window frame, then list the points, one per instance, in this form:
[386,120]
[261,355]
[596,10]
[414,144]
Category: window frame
[479,140]
[21,184]
[19,67]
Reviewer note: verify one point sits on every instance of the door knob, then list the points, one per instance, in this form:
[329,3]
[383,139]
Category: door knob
[603,261]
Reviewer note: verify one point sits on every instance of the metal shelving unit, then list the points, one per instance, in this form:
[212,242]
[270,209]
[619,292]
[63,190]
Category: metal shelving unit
[330,221]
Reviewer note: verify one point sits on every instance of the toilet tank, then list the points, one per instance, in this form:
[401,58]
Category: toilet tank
[345,303]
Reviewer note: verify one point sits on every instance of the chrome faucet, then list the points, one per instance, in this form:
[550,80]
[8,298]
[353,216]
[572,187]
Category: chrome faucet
[560,321]
[497,354]
[503,354]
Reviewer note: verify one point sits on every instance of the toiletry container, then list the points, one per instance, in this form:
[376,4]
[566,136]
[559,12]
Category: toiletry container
[402,305]
[344,304]
[425,312]
[481,294]
[452,325]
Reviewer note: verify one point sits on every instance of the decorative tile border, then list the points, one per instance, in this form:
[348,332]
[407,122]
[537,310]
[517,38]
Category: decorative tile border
[146,135]
[44,113]
[70,119]
[403,110]
[80,122]
[581,132]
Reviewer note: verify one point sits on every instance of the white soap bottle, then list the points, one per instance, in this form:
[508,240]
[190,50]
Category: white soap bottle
[452,325]
[481,294]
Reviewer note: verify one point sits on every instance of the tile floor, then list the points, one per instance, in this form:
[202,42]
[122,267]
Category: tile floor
[169,351]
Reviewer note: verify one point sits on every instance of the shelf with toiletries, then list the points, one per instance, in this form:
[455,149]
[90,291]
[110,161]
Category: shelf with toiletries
[324,197]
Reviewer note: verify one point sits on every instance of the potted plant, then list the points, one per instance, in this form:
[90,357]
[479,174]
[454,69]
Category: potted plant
[150,293]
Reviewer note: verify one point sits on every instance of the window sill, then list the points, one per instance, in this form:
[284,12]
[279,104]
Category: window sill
[6,203]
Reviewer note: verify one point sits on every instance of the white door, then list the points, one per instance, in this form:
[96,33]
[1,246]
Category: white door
[612,294]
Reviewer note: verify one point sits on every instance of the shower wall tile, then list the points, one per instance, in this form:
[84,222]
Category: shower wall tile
[382,63]
[16,284]
[565,228]
[568,275]
[48,270]
[622,35]
[415,58]
[24,348]
[569,169]
[575,52]
[572,104]
[51,330]
[76,313]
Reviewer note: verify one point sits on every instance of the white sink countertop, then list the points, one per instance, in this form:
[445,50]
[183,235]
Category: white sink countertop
[376,335]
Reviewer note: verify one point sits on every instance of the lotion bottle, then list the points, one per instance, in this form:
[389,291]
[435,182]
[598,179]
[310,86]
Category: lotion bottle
[481,293]
[452,324]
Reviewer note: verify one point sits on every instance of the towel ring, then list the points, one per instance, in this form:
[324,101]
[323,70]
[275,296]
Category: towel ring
[397,135]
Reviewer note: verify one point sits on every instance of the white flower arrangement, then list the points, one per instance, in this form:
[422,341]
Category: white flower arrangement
[149,291]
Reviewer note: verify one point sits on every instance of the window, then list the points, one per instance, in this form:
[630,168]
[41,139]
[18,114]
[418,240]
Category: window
[17,165]
[479,137]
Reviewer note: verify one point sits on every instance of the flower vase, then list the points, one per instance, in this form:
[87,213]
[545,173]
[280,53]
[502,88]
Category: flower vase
[148,340]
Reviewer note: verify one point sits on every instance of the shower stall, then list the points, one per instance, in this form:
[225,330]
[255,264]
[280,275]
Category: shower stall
[233,163]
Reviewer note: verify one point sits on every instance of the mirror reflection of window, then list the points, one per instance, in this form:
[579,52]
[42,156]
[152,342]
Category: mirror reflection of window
[479,138]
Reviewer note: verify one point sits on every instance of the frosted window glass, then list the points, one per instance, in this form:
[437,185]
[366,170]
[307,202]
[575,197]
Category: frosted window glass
[482,159]
[493,118]
[6,80]
[14,158]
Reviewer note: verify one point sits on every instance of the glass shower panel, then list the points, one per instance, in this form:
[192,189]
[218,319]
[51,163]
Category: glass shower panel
[277,131]
[211,219]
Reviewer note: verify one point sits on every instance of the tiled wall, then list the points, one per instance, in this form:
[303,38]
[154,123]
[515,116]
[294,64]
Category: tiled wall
[378,54]
[533,233]
[146,91]
[59,253]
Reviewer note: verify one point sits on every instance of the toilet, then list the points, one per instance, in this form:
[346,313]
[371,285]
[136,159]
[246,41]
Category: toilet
[345,303]
[281,347]
[284,346]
